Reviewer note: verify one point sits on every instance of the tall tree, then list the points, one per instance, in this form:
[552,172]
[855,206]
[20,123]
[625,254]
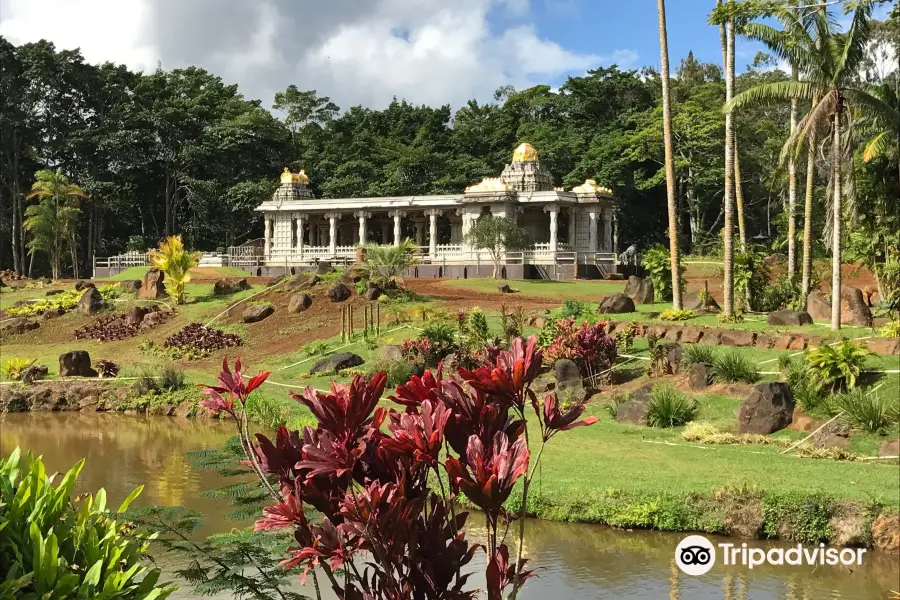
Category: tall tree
[674,250]
[832,67]
[52,221]
[728,228]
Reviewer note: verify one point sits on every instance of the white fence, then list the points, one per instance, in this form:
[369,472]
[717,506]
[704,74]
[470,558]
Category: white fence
[132,258]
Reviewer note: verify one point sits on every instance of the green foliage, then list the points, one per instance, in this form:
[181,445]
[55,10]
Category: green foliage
[805,392]
[676,315]
[669,407]
[477,332]
[52,222]
[398,371]
[439,333]
[574,309]
[56,546]
[497,235]
[512,321]
[865,411]
[725,319]
[751,280]
[625,335]
[836,366]
[890,329]
[611,407]
[65,301]
[699,353]
[783,293]
[734,367]
[805,518]
[173,260]
[658,263]
[317,348]
[11,368]
[384,265]
[168,378]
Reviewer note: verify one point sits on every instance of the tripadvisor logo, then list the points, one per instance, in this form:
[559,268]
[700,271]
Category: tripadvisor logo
[696,555]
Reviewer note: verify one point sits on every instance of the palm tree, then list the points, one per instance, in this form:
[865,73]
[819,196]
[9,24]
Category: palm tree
[831,61]
[176,262]
[728,227]
[884,128]
[384,265]
[670,161]
[52,221]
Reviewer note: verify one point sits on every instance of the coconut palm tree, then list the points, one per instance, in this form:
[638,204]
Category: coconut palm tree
[728,226]
[831,61]
[674,251]
[52,221]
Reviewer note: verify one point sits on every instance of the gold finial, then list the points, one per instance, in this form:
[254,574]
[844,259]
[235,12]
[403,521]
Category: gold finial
[286,177]
[590,187]
[525,153]
[301,177]
[488,184]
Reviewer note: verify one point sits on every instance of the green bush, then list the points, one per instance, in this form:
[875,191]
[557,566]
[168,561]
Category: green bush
[699,354]
[574,309]
[669,407]
[57,546]
[11,369]
[803,518]
[658,263]
[803,389]
[865,411]
[439,333]
[732,367]
[836,366]
[398,372]
[890,330]
[66,300]
[676,315]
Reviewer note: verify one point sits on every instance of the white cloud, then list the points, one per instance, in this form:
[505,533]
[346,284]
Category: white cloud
[355,51]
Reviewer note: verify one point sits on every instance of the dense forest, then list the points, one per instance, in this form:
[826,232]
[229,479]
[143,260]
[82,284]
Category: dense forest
[183,152]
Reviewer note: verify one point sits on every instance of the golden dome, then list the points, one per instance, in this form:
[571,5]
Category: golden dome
[288,177]
[590,187]
[525,153]
[488,184]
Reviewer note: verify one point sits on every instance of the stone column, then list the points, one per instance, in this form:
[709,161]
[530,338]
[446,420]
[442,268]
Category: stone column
[432,231]
[553,210]
[332,232]
[608,230]
[593,216]
[301,218]
[397,215]
[573,215]
[362,216]
[268,236]
[420,232]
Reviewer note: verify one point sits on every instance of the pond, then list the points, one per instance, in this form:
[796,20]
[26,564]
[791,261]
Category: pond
[573,561]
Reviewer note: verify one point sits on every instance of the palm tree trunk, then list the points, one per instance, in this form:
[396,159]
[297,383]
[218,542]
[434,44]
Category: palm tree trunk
[727,231]
[670,161]
[792,190]
[739,199]
[836,223]
[807,217]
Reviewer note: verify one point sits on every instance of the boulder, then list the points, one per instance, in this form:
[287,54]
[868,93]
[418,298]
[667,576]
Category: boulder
[33,373]
[886,531]
[614,276]
[83,285]
[226,287]
[274,280]
[802,422]
[789,318]
[152,286]
[764,341]
[91,301]
[673,334]
[53,313]
[257,312]
[889,448]
[338,292]
[568,380]
[674,354]
[152,319]
[373,292]
[76,363]
[833,435]
[135,315]
[336,362]
[132,286]
[693,301]
[691,335]
[392,352]
[324,267]
[18,325]
[784,342]
[635,409]
[889,346]
[616,304]
[631,288]
[52,292]
[645,293]
[301,282]
[817,306]
[854,308]
[299,303]
[504,288]
[699,376]
[736,338]
[768,409]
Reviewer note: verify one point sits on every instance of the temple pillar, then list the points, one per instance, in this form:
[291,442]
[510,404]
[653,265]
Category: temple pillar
[420,232]
[573,215]
[432,231]
[593,216]
[268,235]
[397,216]
[553,210]
[332,232]
[362,216]
[608,230]
[301,218]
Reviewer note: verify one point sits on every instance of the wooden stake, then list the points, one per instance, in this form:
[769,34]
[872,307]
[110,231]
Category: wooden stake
[378,319]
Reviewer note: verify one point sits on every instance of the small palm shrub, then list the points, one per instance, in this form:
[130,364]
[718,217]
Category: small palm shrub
[803,389]
[384,264]
[439,333]
[836,367]
[676,315]
[107,368]
[12,368]
[398,372]
[573,309]
[732,367]
[698,354]
[865,411]
[669,407]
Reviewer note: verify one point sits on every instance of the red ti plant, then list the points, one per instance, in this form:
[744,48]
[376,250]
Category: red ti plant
[385,482]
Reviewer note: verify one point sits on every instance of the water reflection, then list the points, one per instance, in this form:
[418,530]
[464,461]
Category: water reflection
[573,561]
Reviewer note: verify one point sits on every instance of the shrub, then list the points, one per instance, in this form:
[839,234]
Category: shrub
[171,378]
[439,333]
[625,337]
[891,330]
[12,368]
[732,367]
[611,407]
[56,545]
[658,263]
[669,407]
[398,372]
[724,319]
[676,315]
[478,331]
[587,344]
[112,327]
[107,368]
[573,309]
[783,293]
[805,392]
[316,349]
[424,350]
[65,301]
[836,366]
[864,411]
[512,321]
[198,339]
[698,354]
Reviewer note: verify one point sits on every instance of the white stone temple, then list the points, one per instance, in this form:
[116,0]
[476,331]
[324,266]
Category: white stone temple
[573,232]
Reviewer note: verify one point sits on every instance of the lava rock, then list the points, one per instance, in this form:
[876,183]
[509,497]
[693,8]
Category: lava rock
[337,362]
[53,313]
[631,288]
[817,306]
[373,292]
[768,409]
[257,312]
[392,353]
[568,380]
[299,303]
[132,286]
[76,363]
[635,409]
[135,315]
[674,355]
[324,268]
[889,448]
[616,304]
[645,293]
[274,280]
[338,292]
[152,286]
[789,318]
[889,346]
[226,287]
[301,282]
[504,288]
[52,292]
[736,338]
[83,285]
[91,301]
[854,308]
[693,301]
[699,376]
[18,325]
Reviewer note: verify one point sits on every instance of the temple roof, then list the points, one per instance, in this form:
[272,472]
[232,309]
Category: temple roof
[524,153]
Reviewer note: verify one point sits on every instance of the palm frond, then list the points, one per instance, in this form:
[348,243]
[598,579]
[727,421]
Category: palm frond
[809,125]
[853,51]
[875,147]
[770,93]
[872,106]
